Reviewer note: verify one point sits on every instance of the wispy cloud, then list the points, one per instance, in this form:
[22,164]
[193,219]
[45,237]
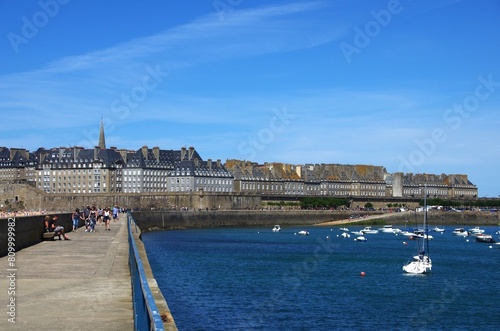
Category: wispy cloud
[86,84]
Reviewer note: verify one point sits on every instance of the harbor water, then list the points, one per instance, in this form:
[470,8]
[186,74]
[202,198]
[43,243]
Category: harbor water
[256,279]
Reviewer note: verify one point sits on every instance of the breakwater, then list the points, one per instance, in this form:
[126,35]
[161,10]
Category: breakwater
[166,220]
[157,220]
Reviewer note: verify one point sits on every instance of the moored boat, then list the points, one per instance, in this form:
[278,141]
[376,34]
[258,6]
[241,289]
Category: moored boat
[303,233]
[386,229]
[421,263]
[460,232]
[484,238]
[369,230]
[360,238]
[277,228]
[438,229]
[476,230]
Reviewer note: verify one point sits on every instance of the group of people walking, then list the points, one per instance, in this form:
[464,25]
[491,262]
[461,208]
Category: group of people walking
[92,215]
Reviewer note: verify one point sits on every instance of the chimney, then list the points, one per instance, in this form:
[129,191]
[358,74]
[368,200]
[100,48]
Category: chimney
[43,155]
[209,164]
[156,153]
[145,152]
[191,152]
[219,163]
[97,149]
[183,152]
[123,154]
[76,152]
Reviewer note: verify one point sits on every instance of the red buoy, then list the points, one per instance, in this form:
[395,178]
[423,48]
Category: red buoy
[362,274]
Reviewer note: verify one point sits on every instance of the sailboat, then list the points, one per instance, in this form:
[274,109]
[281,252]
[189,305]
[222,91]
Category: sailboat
[421,263]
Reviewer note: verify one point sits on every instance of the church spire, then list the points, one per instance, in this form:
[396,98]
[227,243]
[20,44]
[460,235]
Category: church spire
[102,141]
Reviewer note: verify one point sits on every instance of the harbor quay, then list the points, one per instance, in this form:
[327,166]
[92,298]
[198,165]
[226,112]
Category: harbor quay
[77,284]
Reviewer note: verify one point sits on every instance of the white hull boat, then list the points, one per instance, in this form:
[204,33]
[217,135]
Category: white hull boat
[386,229]
[369,230]
[476,230]
[421,263]
[360,238]
[436,229]
[460,232]
[277,228]
[303,233]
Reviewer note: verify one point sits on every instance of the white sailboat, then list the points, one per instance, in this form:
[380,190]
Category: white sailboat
[421,263]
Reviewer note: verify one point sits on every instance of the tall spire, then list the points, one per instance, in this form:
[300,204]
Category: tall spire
[102,141]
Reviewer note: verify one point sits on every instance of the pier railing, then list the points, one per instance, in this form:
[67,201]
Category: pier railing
[146,314]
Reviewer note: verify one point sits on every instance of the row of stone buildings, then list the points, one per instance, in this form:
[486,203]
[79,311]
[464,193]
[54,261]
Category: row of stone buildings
[77,170]
[110,170]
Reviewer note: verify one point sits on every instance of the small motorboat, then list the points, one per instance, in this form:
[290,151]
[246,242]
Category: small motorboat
[303,233]
[369,230]
[397,231]
[460,232]
[476,230]
[277,228]
[386,229]
[360,238]
[437,229]
[484,238]
[345,235]
[344,229]
[357,233]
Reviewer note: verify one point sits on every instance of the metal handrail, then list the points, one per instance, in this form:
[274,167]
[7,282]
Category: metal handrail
[146,314]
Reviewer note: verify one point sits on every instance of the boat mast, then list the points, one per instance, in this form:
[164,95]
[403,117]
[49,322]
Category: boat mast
[426,227]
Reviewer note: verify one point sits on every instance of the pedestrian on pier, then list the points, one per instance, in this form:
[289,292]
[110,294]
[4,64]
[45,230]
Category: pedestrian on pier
[76,217]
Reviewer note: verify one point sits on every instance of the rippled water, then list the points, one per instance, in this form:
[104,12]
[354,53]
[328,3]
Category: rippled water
[254,279]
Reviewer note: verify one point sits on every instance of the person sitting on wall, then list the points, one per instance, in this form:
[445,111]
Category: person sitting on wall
[50,226]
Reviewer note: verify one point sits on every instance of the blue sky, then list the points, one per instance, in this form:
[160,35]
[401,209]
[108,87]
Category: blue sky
[410,85]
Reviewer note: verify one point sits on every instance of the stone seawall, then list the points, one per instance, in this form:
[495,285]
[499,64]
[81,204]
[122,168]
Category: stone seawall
[192,219]
[165,220]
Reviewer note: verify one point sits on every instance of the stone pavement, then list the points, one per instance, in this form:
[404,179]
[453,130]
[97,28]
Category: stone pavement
[77,284]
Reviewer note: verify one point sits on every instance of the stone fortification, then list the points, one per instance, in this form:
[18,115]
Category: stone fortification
[148,220]
[24,196]
[165,220]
